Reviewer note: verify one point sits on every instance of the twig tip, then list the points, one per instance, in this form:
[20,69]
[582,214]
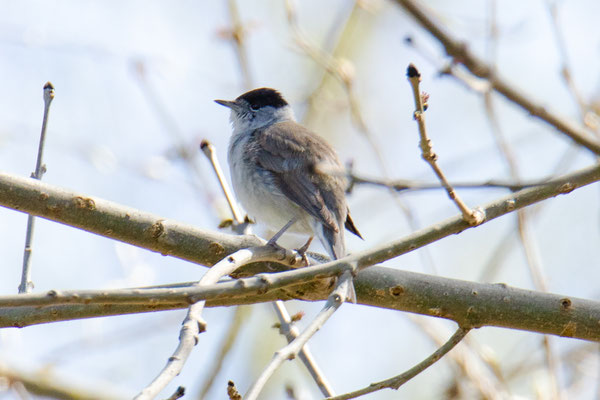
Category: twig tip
[412,71]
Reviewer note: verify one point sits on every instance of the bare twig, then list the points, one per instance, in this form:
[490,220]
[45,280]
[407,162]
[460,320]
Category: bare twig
[48,385]
[341,69]
[407,185]
[473,364]
[473,217]
[399,380]
[460,53]
[40,168]
[339,295]
[210,153]
[291,332]
[193,324]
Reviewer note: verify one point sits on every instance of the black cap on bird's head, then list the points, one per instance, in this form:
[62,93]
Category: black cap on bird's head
[263,97]
[257,99]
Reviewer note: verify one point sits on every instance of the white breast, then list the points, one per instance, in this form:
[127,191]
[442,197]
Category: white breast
[258,194]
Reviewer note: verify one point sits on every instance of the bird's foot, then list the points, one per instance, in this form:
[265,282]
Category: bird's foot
[302,250]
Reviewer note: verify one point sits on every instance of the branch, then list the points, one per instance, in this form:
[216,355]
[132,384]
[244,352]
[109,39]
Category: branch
[48,385]
[460,53]
[397,381]
[189,243]
[473,217]
[291,332]
[109,219]
[40,168]
[469,304]
[118,222]
[338,296]
[193,324]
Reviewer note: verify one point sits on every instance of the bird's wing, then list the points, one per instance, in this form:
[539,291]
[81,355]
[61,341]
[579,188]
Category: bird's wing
[290,152]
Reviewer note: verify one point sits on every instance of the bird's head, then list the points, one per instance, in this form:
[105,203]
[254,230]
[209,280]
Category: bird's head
[257,108]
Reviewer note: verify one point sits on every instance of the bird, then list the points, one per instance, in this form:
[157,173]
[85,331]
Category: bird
[279,172]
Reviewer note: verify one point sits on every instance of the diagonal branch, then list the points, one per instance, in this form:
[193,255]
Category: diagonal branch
[460,53]
[183,241]
[338,296]
[399,380]
[193,324]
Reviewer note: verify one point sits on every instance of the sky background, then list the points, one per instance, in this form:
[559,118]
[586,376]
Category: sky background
[135,81]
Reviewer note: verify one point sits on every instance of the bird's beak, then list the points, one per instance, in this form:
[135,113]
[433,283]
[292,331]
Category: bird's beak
[230,104]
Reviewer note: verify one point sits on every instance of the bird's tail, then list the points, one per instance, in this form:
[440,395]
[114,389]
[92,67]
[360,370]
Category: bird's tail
[333,241]
[334,244]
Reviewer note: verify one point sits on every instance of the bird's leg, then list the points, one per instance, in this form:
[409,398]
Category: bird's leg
[302,250]
[273,240]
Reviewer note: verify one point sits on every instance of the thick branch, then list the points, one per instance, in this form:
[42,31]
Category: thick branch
[470,304]
[101,217]
[117,222]
[186,242]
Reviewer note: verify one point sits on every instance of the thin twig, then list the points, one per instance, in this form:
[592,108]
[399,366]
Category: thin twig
[337,297]
[193,323]
[342,70]
[40,168]
[470,359]
[406,185]
[47,384]
[291,332]
[473,217]
[210,153]
[460,53]
[399,380]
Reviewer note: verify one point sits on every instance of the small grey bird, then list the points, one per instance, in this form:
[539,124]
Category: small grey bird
[277,171]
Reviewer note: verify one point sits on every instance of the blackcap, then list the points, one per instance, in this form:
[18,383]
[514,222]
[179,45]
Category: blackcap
[277,170]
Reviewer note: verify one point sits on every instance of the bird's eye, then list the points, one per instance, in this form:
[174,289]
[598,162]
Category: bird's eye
[254,107]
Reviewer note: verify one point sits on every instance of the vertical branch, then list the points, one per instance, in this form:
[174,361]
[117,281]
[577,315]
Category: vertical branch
[26,283]
[473,217]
